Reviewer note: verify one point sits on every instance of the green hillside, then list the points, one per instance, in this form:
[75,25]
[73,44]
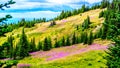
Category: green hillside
[74,56]
[64,27]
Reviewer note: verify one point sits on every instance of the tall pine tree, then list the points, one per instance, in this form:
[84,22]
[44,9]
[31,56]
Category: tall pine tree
[23,45]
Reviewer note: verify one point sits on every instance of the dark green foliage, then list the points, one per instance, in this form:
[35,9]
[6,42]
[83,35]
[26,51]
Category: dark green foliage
[65,14]
[32,45]
[81,37]
[101,14]
[7,48]
[52,23]
[47,44]
[3,27]
[96,6]
[29,24]
[77,27]
[10,42]
[85,37]
[63,41]
[23,45]
[39,46]
[68,43]
[113,59]
[57,43]
[78,39]
[101,33]
[90,38]
[112,31]
[104,4]
[86,23]
[74,38]
[8,63]
[50,42]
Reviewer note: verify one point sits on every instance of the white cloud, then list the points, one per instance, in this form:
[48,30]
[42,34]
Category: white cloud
[24,5]
[62,1]
[36,14]
[93,1]
[71,1]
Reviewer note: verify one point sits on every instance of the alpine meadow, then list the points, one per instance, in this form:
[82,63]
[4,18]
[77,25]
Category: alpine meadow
[60,34]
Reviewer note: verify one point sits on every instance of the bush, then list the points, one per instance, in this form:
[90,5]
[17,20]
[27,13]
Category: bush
[8,64]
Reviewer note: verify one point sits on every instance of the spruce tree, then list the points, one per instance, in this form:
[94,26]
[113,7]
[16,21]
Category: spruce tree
[85,38]
[81,37]
[112,30]
[50,42]
[23,45]
[39,46]
[47,44]
[56,45]
[86,23]
[74,38]
[90,38]
[32,45]
[63,41]
[68,43]
[10,41]
[101,14]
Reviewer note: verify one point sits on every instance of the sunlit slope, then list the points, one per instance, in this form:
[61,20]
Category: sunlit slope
[75,56]
[64,27]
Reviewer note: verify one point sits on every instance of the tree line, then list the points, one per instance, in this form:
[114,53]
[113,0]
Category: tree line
[4,28]
[84,8]
[111,30]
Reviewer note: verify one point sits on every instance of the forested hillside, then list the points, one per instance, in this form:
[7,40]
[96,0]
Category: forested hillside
[79,38]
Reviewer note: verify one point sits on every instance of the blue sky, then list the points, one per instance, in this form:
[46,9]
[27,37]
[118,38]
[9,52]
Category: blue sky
[42,8]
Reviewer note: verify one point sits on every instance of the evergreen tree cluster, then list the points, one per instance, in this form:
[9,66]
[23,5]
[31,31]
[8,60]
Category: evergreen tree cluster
[65,14]
[104,4]
[52,23]
[23,23]
[86,23]
[101,14]
[31,23]
[111,31]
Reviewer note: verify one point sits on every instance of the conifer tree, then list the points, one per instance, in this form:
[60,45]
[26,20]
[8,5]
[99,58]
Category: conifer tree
[56,45]
[10,41]
[104,4]
[50,42]
[90,38]
[63,41]
[86,23]
[101,14]
[74,38]
[23,45]
[32,45]
[112,30]
[47,44]
[68,43]
[39,47]
[81,37]
[85,38]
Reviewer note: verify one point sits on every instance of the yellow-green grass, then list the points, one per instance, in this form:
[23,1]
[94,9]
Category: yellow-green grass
[92,59]
[42,30]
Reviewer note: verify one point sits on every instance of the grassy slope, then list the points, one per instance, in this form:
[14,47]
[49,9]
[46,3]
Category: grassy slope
[91,59]
[40,31]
